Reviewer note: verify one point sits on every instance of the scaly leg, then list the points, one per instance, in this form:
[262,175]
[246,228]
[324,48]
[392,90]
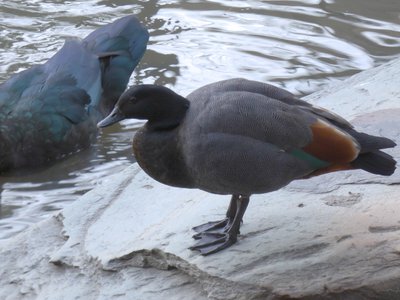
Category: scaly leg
[221,224]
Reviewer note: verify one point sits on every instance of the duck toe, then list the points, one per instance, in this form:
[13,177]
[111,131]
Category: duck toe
[212,242]
[211,226]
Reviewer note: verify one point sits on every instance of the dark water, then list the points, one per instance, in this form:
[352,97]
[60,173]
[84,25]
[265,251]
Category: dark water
[298,45]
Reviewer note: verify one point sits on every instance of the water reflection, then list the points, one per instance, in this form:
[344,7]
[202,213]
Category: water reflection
[159,68]
[299,45]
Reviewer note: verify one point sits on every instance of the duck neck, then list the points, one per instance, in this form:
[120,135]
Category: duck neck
[169,115]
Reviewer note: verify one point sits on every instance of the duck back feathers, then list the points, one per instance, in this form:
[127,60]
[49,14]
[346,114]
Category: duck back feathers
[51,110]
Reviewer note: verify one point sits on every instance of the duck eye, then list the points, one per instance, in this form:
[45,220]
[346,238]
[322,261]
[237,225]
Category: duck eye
[133,99]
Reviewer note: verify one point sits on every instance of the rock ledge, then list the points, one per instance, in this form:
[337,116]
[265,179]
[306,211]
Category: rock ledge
[335,236]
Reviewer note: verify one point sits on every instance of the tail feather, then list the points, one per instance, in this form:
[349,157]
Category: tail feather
[375,162]
[370,143]
[119,46]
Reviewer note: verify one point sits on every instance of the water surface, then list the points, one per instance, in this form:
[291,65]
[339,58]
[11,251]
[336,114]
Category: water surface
[298,45]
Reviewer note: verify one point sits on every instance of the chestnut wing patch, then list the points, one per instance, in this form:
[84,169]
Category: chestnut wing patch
[331,144]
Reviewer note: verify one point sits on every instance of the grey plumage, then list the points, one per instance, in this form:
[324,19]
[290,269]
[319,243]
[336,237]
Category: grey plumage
[241,137]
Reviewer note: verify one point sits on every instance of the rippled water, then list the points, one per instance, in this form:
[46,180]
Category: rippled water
[298,45]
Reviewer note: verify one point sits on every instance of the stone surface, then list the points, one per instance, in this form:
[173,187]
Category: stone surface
[335,236]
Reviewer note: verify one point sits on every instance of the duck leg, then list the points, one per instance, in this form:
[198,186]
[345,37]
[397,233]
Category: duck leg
[218,225]
[214,241]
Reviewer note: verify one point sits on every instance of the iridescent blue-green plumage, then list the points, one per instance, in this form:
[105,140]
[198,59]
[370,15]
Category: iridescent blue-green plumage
[51,110]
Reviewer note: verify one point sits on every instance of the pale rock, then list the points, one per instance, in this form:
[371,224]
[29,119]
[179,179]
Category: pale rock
[335,236]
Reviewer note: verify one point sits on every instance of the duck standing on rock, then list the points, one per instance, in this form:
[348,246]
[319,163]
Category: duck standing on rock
[241,137]
[51,110]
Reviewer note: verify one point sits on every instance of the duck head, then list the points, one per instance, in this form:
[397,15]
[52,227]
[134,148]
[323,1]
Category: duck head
[163,108]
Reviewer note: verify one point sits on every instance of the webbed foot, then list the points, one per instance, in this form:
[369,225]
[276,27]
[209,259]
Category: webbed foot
[215,236]
[212,242]
[216,226]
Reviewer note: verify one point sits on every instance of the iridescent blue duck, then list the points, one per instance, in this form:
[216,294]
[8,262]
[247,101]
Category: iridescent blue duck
[241,137]
[51,110]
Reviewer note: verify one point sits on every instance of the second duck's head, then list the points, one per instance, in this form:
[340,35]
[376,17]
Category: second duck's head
[162,107]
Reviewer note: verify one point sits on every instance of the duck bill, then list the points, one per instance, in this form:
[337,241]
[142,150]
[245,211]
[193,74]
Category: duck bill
[114,117]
